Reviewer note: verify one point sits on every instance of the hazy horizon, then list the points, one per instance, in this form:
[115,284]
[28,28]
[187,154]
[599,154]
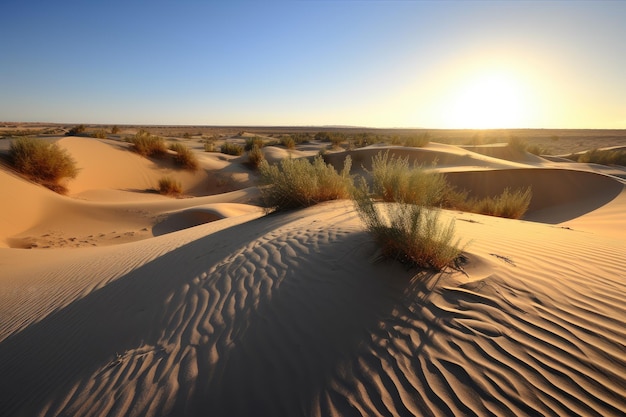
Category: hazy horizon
[406,65]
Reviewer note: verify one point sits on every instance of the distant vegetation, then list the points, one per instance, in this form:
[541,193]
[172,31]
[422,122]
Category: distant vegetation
[76,130]
[184,157]
[603,157]
[229,148]
[148,145]
[43,162]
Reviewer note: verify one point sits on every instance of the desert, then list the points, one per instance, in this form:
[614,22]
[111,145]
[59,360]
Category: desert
[119,300]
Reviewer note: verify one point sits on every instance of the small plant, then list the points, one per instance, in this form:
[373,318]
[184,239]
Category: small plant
[251,142]
[408,233]
[148,145]
[169,186]
[518,143]
[231,149]
[43,162]
[417,141]
[255,156]
[100,134]
[184,156]
[299,183]
[115,130]
[288,142]
[509,204]
[76,130]
[603,157]
[395,180]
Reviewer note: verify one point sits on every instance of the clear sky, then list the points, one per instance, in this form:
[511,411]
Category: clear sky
[373,63]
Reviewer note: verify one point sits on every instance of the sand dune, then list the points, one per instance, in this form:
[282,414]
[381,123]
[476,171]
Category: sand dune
[219,310]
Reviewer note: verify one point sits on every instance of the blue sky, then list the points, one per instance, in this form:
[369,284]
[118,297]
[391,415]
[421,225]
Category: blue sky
[376,63]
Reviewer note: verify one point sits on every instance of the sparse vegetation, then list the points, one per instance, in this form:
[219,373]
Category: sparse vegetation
[517,143]
[603,157]
[76,130]
[509,204]
[230,148]
[184,156]
[148,145]
[395,181]
[417,141]
[288,142]
[298,183]
[115,130]
[407,232]
[43,162]
[255,156]
[169,186]
[251,142]
[100,134]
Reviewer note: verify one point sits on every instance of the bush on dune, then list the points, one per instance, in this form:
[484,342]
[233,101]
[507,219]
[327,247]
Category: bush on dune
[601,156]
[148,145]
[184,156]
[509,204]
[255,156]
[43,162]
[296,183]
[231,149]
[406,232]
[169,186]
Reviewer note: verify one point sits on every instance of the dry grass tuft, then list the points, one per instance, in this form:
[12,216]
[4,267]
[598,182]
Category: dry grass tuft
[229,148]
[148,145]
[296,183]
[169,186]
[43,162]
[184,156]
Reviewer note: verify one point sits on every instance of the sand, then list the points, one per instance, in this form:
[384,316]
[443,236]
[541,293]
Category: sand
[129,303]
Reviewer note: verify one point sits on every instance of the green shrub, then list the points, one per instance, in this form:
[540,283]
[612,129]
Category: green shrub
[43,162]
[184,156]
[298,183]
[406,232]
[509,204]
[394,180]
[231,149]
[255,156]
[251,142]
[148,145]
[169,186]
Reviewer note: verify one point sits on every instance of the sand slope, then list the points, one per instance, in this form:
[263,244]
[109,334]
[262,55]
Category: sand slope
[223,311]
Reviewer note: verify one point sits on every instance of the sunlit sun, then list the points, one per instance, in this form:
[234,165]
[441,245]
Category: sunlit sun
[487,101]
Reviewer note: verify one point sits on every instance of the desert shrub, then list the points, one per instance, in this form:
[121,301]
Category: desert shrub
[115,130]
[100,134]
[417,141]
[394,180]
[537,150]
[43,162]
[517,143]
[288,142]
[169,186]
[251,142]
[148,145]
[406,232]
[184,156]
[76,130]
[231,149]
[603,157]
[255,156]
[509,204]
[298,183]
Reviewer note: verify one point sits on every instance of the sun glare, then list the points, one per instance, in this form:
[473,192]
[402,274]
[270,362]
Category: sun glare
[487,101]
